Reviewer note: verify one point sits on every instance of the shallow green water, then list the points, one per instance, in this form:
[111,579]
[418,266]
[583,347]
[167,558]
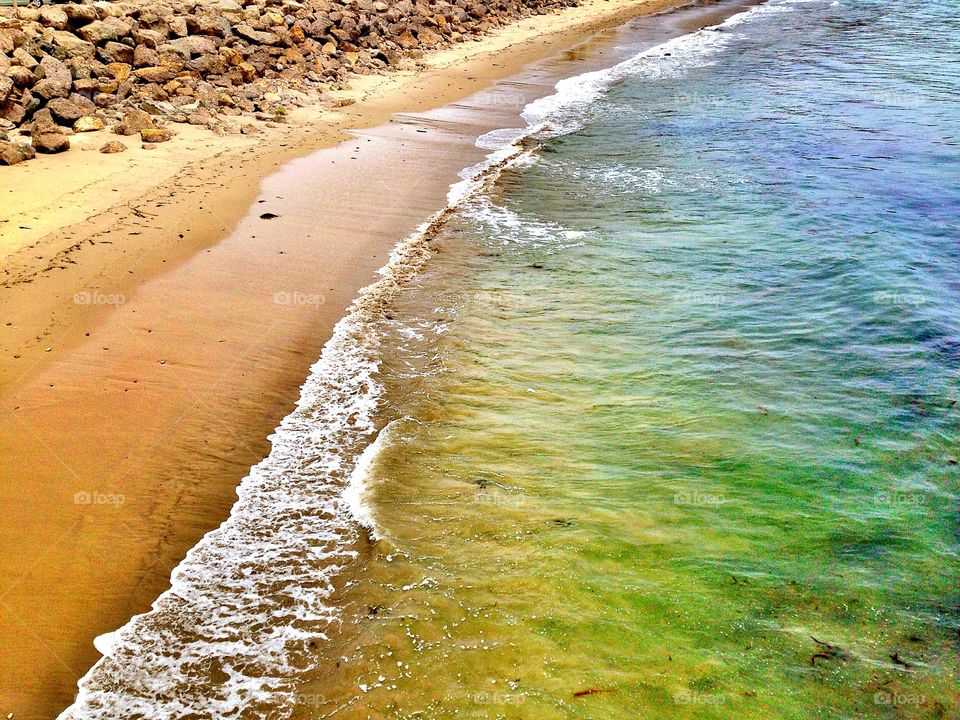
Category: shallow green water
[676,404]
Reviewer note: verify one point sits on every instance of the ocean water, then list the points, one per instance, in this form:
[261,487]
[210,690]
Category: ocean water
[658,420]
[673,407]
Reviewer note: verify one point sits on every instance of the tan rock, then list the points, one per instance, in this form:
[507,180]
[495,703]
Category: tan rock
[428,37]
[80,14]
[49,142]
[118,52]
[19,76]
[12,153]
[157,74]
[114,146]
[231,55]
[133,122]
[25,59]
[73,46]
[155,135]
[247,71]
[119,71]
[100,31]
[52,16]
[191,46]
[406,40]
[12,112]
[145,56]
[28,14]
[89,123]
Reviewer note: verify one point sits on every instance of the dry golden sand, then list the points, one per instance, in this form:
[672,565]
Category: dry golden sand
[155,329]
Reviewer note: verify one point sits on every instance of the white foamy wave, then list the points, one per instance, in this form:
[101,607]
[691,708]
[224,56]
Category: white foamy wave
[508,227]
[567,109]
[357,485]
[234,631]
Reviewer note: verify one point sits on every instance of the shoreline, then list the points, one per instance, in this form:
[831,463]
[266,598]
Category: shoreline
[161,378]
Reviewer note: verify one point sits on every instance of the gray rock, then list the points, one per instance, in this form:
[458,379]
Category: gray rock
[56,81]
[256,36]
[192,46]
[65,111]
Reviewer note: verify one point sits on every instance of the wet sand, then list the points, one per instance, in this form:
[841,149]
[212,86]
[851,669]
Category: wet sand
[155,334]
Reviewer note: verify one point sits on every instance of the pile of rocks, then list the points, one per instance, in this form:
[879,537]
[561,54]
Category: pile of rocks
[80,67]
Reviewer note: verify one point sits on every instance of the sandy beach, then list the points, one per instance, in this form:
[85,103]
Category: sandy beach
[161,309]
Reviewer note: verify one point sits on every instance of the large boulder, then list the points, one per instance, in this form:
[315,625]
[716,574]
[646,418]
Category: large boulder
[134,121]
[20,76]
[116,52]
[101,31]
[6,87]
[12,153]
[259,37]
[52,16]
[88,123]
[72,46]
[80,14]
[156,74]
[65,111]
[192,46]
[13,112]
[46,136]
[56,81]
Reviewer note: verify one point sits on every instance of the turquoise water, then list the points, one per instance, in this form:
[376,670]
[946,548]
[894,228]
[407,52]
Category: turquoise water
[675,403]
